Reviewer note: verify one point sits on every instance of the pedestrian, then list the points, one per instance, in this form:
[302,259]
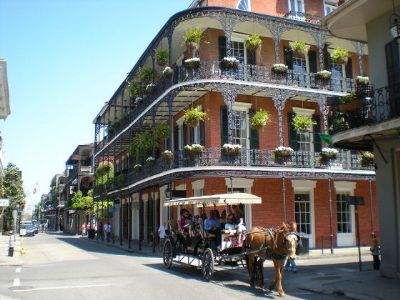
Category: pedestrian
[290,262]
[162,235]
[100,233]
[107,230]
[83,228]
[375,251]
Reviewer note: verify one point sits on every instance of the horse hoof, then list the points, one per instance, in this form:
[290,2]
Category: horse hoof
[282,294]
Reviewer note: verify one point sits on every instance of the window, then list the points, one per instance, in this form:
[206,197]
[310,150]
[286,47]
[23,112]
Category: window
[296,6]
[244,5]
[302,211]
[328,8]
[343,213]
[305,139]
[238,51]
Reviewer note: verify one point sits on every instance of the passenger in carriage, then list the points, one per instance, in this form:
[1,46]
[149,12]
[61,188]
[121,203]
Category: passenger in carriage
[212,226]
[184,221]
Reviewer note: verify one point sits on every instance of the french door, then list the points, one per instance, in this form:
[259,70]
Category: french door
[303,211]
[241,128]
[345,222]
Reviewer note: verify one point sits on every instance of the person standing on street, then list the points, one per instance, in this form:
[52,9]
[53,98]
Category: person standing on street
[162,234]
[375,251]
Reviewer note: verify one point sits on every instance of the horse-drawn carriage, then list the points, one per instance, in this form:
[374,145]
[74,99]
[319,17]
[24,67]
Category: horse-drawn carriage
[198,247]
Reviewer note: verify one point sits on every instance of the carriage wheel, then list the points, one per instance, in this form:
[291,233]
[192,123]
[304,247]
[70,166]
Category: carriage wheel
[208,264]
[167,254]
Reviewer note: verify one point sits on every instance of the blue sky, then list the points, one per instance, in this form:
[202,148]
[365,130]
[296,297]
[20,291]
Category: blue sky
[65,59]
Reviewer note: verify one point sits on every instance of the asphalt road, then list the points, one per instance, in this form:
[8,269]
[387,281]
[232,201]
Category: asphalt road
[63,267]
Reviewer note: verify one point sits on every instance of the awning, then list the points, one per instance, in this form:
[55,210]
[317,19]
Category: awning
[219,200]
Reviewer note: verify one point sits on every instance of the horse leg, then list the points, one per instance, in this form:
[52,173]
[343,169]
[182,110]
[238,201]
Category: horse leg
[261,273]
[250,268]
[279,288]
[272,284]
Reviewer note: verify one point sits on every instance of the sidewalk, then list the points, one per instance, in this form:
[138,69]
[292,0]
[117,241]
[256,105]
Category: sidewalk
[365,285]
[6,260]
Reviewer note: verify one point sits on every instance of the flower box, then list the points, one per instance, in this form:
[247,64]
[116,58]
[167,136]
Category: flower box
[328,154]
[229,63]
[231,149]
[367,159]
[168,156]
[194,149]
[168,72]
[324,75]
[283,154]
[192,63]
[279,69]
[362,80]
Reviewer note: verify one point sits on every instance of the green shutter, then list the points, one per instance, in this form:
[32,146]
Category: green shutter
[202,133]
[317,132]
[224,125]
[349,68]
[254,133]
[312,61]
[288,53]
[251,57]
[222,46]
[293,136]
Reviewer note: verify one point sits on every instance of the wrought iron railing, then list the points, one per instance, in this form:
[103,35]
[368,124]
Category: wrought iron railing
[301,16]
[345,160]
[248,73]
[367,108]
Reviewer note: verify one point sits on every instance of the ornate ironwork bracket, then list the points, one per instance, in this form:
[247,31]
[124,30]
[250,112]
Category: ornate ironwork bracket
[277,30]
[324,109]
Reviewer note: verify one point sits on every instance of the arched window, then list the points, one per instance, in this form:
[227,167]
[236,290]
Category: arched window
[244,5]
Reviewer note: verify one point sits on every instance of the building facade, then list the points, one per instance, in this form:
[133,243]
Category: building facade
[78,177]
[149,150]
[374,124]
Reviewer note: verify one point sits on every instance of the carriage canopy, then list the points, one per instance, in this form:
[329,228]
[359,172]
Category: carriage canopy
[216,200]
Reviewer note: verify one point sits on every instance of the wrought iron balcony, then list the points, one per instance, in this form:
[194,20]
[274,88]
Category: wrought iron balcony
[368,107]
[345,160]
[301,16]
[86,169]
[210,70]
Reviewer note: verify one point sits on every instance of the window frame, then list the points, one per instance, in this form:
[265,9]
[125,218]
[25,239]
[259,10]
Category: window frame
[248,3]
[296,8]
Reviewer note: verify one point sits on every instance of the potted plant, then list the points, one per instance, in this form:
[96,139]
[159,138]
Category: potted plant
[299,47]
[339,55]
[162,57]
[137,167]
[168,156]
[324,75]
[229,63]
[282,154]
[367,159]
[350,102]
[134,89]
[192,38]
[328,154]
[168,72]
[193,116]
[253,42]
[192,63]
[147,75]
[279,69]
[260,119]
[362,80]
[231,149]
[303,123]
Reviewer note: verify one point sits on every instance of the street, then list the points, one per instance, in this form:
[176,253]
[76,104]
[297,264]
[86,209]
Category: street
[68,267]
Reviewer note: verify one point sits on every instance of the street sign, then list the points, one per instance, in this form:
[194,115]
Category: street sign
[354,200]
[4,202]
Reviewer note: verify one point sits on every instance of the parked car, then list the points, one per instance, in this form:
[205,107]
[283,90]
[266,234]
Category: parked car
[27,230]
[36,225]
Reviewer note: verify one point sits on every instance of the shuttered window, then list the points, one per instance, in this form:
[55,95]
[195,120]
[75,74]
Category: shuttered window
[224,125]
[312,61]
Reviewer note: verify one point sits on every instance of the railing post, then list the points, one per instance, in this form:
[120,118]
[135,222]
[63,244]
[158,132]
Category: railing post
[320,40]
[228,23]
[276,31]
[229,94]
[279,103]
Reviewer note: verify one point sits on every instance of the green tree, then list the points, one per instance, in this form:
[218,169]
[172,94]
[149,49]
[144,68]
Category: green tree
[13,190]
[80,202]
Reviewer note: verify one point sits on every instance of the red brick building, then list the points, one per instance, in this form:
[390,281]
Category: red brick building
[149,113]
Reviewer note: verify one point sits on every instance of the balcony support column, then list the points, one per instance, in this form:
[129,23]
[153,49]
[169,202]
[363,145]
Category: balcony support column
[171,124]
[229,96]
[324,110]
[276,30]
[360,47]
[279,103]
[169,39]
[228,23]
[153,126]
[320,40]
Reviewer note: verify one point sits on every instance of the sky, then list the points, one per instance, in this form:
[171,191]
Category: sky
[65,59]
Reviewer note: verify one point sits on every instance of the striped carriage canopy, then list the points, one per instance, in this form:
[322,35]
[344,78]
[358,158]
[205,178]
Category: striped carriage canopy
[216,200]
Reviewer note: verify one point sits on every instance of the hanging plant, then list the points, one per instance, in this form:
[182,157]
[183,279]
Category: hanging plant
[329,153]
[299,47]
[193,116]
[134,89]
[367,159]
[192,63]
[231,149]
[363,80]
[229,63]
[260,119]
[162,57]
[339,55]
[192,38]
[324,75]
[168,72]
[168,156]
[253,42]
[147,75]
[283,154]
[280,69]
[303,123]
